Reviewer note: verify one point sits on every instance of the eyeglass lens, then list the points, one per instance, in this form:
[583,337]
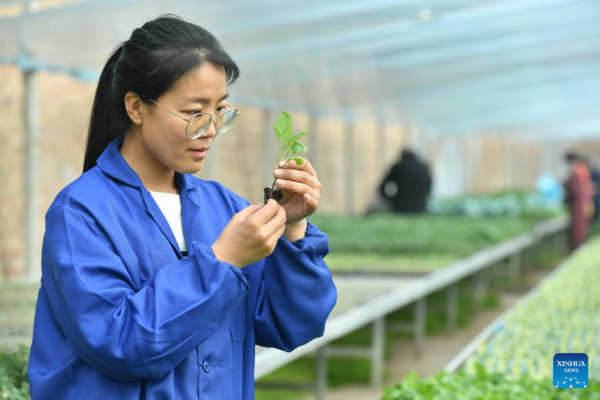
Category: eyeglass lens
[200,123]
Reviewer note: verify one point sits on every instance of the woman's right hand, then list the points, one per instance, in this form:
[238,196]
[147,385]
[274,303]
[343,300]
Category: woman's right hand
[251,235]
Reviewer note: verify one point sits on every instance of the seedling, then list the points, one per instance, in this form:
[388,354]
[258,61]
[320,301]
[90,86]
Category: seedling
[289,148]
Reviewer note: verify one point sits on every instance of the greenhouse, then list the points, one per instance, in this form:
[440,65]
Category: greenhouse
[432,232]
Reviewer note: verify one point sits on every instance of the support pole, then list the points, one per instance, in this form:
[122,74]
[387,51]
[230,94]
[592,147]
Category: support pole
[515,270]
[349,162]
[378,352]
[382,144]
[270,152]
[321,378]
[452,308]
[31,167]
[420,325]
[313,142]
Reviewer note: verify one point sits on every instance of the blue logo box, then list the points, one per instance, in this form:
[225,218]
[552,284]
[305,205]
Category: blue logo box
[571,370]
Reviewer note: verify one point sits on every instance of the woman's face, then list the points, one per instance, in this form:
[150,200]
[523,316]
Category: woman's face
[163,134]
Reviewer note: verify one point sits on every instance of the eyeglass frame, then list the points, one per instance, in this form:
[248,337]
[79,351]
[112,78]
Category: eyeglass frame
[211,121]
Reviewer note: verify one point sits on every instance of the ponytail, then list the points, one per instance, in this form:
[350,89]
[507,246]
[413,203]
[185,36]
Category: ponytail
[109,119]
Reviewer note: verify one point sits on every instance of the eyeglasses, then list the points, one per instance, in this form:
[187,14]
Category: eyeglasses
[199,123]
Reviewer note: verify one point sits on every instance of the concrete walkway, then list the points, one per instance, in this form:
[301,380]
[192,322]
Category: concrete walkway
[439,349]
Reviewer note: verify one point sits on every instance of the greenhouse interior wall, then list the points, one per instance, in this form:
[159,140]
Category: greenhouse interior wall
[460,164]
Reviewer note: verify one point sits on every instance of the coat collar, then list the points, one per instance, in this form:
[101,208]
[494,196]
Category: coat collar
[112,163]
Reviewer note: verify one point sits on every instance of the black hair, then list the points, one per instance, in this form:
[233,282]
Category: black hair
[571,157]
[148,64]
[408,154]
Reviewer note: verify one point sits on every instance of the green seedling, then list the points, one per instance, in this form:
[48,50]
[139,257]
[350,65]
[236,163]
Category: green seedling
[290,147]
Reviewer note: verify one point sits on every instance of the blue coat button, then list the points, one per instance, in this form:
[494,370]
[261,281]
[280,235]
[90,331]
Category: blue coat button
[205,366]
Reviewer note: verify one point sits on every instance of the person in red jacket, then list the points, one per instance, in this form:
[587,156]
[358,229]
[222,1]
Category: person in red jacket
[579,199]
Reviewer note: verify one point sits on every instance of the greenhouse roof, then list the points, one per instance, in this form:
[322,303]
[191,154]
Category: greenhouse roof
[525,68]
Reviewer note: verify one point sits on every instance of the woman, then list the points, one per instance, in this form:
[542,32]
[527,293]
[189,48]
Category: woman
[122,313]
[579,199]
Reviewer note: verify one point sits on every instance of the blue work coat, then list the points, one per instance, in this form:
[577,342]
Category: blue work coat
[121,314]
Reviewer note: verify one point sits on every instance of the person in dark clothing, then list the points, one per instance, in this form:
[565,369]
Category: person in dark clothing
[407,185]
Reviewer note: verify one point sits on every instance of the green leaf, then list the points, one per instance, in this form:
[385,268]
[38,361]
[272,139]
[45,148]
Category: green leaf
[298,160]
[283,126]
[298,148]
[480,370]
[295,138]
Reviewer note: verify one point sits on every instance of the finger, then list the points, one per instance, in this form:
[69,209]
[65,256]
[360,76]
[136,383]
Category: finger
[265,213]
[251,209]
[312,203]
[294,187]
[278,221]
[306,166]
[297,176]
[280,231]
[277,234]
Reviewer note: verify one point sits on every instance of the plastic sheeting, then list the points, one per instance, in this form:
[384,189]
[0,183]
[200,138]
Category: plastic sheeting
[514,67]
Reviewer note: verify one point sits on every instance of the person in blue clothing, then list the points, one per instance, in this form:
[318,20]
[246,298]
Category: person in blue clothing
[594,168]
[157,284]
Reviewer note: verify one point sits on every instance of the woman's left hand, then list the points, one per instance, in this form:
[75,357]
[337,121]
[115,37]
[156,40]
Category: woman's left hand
[301,190]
